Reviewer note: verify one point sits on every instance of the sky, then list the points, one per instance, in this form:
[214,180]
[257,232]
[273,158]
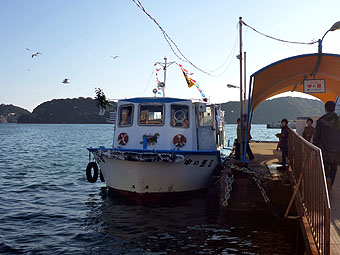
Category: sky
[77,39]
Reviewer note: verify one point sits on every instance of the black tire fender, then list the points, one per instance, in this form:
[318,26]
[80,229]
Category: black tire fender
[92,178]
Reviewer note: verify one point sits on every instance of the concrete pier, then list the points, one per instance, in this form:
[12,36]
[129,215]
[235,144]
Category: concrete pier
[259,188]
[262,188]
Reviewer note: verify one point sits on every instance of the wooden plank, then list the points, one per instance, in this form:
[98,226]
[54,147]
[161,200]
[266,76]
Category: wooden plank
[265,154]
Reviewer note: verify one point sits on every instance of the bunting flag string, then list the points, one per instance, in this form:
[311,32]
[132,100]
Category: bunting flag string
[191,82]
[158,81]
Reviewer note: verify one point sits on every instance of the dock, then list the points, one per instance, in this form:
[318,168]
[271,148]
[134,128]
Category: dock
[298,193]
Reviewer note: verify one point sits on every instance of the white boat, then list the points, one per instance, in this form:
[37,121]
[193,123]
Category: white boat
[161,145]
[277,125]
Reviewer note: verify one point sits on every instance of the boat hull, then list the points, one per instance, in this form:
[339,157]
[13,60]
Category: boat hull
[188,172]
[166,198]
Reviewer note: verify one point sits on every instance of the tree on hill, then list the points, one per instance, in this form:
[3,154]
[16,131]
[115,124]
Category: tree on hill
[276,109]
[11,113]
[73,111]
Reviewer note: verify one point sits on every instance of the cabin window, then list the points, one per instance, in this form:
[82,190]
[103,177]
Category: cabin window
[151,114]
[125,115]
[179,116]
[206,118]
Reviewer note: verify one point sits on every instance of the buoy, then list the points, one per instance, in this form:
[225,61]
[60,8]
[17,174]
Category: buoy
[92,178]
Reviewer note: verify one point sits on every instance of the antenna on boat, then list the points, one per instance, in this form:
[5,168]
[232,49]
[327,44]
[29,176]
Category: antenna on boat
[165,65]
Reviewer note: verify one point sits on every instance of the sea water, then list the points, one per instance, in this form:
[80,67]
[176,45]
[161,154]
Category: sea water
[48,207]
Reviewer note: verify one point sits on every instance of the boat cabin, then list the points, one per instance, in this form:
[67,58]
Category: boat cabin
[157,123]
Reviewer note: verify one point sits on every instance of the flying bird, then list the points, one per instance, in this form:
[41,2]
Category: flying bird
[66,81]
[36,54]
[28,49]
[114,57]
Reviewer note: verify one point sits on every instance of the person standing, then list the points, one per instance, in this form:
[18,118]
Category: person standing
[308,132]
[327,138]
[284,141]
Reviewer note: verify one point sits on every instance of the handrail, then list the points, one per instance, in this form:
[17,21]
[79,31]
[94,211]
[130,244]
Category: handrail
[306,158]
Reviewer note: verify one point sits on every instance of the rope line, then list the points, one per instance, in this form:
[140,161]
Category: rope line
[173,46]
[147,84]
[231,53]
[277,39]
[169,40]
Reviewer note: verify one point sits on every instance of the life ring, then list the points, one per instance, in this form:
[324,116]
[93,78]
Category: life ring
[179,140]
[92,178]
[123,138]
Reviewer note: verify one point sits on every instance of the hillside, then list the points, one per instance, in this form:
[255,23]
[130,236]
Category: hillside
[275,110]
[10,113]
[71,111]
[84,111]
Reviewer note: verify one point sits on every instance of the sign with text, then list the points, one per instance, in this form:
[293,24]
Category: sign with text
[314,86]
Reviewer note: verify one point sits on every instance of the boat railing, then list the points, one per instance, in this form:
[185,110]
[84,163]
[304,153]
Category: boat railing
[307,169]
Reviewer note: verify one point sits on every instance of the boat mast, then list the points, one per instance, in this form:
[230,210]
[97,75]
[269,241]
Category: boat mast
[165,65]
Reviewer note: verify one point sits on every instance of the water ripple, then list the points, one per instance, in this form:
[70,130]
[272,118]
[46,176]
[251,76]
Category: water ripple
[48,207]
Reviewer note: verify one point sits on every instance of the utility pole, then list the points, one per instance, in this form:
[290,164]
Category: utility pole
[241,101]
[245,83]
[165,65]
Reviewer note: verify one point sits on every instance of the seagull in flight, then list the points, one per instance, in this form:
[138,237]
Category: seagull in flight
[114,57]
[28,49]
[36,54]
[66,81]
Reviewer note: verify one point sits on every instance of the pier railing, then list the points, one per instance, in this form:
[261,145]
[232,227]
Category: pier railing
[307,168]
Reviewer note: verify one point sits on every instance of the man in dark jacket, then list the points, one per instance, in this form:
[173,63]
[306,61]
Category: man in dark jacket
[327,137]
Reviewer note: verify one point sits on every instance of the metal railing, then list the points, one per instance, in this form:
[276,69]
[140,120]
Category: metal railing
[305,160]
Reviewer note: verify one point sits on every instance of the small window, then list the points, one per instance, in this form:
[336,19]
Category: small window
[125,115]
[206,118]
[151,114]
[179,116]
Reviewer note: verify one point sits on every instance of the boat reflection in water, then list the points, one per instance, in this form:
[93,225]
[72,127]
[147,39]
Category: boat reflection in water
[180,227]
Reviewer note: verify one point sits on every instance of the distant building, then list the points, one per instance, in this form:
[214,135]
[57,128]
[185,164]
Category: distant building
[111,118]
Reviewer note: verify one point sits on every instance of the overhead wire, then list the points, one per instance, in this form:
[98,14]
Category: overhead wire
[168,39]
[277,39]
[147,84]
[183,58]
[231,54]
